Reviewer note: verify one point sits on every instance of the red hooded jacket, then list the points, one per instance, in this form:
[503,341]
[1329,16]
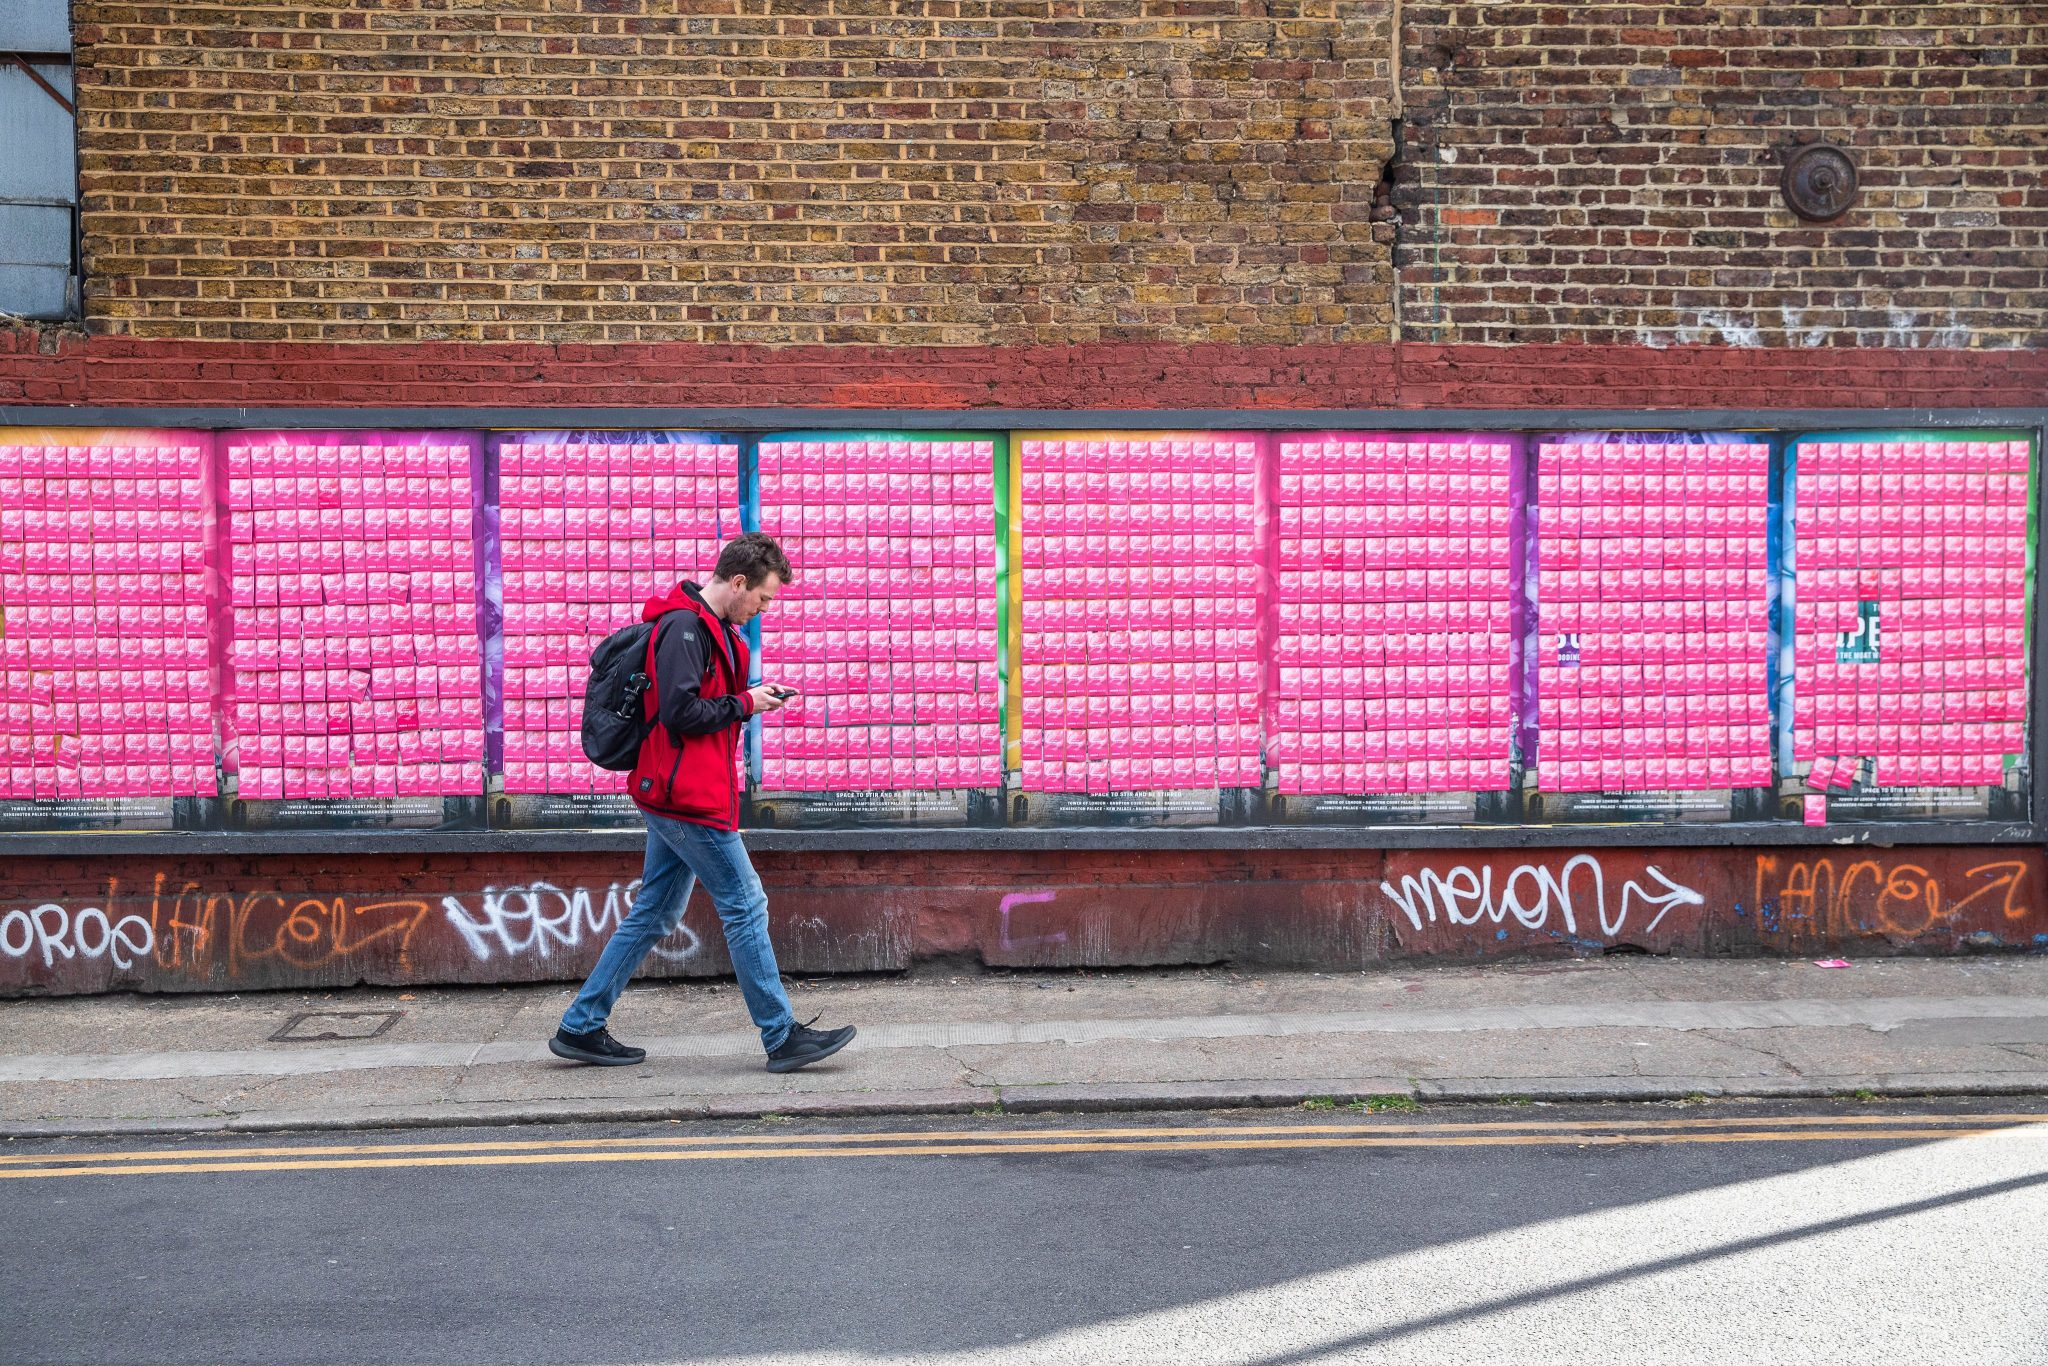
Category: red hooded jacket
[698,703]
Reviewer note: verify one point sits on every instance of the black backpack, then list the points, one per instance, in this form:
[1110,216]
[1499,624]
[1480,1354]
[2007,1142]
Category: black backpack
[614,711]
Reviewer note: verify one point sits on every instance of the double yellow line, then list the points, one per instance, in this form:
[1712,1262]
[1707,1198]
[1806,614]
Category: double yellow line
[983,1142]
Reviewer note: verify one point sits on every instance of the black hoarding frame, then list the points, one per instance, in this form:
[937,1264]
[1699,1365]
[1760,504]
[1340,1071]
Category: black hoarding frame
[1246,838]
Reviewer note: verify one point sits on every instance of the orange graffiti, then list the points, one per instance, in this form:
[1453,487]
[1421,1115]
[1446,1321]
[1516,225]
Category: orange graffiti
[311,932]
[1813,897]
[1908,886]
[319,931]
[2014,874]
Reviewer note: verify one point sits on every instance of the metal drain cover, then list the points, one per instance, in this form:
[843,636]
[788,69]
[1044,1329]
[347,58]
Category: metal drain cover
[329,1026]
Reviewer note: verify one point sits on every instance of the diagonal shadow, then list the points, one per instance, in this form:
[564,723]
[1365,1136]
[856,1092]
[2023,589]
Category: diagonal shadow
[895,1257]
[1508,1303]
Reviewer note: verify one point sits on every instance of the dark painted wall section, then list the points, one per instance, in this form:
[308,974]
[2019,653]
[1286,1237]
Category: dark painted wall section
[92,925]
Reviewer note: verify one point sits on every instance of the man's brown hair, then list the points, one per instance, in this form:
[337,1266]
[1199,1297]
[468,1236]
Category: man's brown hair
[753,557]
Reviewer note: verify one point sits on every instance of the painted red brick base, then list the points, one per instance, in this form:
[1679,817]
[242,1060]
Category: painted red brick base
[69,926]
[44,369]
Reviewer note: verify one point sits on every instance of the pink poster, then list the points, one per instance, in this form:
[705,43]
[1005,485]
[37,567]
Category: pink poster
[105,683]
[590,525]
[353,649]
[1912,560]
[1392,562]
[1652,579]
[890,627]
[1139,638]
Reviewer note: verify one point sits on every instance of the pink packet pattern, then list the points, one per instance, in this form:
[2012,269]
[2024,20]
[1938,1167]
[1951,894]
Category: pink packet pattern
[590,529]
[899,692]
[1157,620]
[1910,607]
[354,626]
[101,552]
[1647,623]
[1392,577]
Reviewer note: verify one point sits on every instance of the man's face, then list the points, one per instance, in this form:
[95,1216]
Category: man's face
[749,600]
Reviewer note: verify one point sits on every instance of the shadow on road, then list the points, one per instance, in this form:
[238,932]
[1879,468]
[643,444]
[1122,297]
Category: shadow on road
[855,1259]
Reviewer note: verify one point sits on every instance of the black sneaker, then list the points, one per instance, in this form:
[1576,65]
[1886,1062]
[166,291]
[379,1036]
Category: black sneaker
[806,1045]
[598,1047]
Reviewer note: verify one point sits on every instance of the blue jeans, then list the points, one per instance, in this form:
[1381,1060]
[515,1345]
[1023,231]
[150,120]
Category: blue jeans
[680,855]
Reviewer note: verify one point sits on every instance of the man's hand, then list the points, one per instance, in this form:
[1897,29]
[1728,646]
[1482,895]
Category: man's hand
[769,697]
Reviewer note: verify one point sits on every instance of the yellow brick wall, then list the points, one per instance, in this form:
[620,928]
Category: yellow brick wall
[909,172]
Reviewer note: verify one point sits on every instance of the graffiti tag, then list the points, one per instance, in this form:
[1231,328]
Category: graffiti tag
[539,918]
[1011,903]
[196,927]
[1861,895]
[59,934]
[1532,894]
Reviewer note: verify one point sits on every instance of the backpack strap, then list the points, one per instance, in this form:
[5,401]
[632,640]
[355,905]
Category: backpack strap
[650,701]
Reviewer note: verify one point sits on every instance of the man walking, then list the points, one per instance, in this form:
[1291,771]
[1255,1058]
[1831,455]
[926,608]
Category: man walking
[686,788]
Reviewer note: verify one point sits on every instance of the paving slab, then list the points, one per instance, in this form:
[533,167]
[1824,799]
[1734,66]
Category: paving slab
[950,1042]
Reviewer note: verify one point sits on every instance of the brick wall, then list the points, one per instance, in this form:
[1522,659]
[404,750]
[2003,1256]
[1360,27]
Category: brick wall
[1609,173]
[51,370]
[1049,203]
[776,171]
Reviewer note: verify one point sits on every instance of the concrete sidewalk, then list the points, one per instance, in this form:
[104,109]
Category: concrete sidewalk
[1612,1029]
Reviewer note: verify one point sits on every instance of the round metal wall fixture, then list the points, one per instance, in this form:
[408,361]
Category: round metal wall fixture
[1819,182]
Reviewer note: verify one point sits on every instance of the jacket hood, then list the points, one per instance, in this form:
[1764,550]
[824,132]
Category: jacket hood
[685,596]
[688,597]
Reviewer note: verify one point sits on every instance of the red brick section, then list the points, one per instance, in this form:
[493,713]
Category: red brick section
[1609,172]
[129,372]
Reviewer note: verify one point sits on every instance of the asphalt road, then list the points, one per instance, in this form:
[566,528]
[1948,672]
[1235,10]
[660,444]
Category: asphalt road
[1898,1232]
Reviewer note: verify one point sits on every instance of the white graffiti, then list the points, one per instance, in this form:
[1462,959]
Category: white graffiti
[1732,331]
[539,918]
[90,933]
[1532,894]
[1796,333]
[1903,330]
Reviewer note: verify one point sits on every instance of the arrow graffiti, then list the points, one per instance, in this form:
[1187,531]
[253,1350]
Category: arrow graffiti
[1673,895]
[1534,896]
